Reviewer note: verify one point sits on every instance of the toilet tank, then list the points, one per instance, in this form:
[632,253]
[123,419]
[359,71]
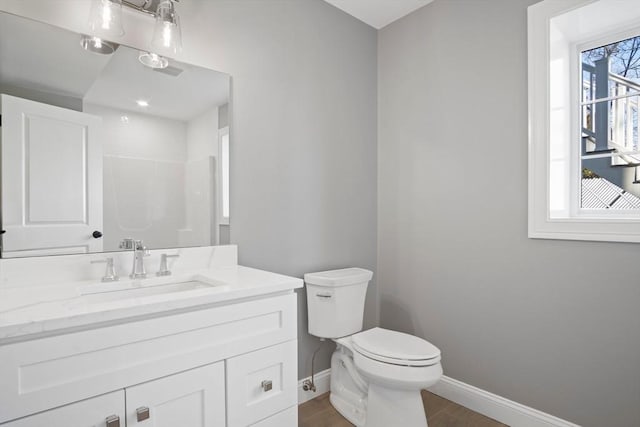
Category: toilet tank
[335,301]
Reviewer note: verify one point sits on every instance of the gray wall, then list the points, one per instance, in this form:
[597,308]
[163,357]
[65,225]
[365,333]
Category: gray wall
[551,324]
[303,109]
[304,158]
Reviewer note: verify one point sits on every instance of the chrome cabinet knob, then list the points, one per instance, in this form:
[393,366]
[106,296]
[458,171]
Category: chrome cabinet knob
[267,385]
[113,421]
[142,413]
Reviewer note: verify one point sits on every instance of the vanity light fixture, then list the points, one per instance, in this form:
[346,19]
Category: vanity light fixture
[105,18]
[106,21]
[167,36]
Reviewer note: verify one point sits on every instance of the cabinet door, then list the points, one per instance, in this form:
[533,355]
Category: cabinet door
[51,179]
[193,398]
[262,383]
[102,411]
[288,417]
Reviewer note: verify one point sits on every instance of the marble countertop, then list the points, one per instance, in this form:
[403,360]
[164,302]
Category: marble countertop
[37,310]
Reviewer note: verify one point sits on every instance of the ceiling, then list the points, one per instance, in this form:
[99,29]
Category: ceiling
[378,13]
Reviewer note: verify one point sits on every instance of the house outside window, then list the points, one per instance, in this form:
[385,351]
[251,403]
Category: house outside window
[610,156]
[584,94]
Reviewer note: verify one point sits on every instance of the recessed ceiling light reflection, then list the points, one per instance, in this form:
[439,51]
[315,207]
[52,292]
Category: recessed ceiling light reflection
[142,103]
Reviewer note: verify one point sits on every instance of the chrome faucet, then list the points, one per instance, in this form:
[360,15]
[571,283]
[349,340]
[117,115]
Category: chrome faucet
[139,252]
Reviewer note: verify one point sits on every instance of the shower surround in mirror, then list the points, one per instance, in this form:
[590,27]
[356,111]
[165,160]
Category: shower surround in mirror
[163,196]
[157,176]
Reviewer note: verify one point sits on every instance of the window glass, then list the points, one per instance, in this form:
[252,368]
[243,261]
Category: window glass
[610,152]
[224,154]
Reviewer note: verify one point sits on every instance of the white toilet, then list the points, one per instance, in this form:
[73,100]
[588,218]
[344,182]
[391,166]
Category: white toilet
[377,374]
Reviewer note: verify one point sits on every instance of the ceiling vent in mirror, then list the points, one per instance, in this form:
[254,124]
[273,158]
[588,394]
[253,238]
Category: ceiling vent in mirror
[170,70]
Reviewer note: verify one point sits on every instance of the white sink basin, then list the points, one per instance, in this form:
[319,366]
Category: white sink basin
[130,289]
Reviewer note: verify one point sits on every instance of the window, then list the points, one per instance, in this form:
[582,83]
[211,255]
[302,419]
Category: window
[610,156]
[583,120]
[223,165]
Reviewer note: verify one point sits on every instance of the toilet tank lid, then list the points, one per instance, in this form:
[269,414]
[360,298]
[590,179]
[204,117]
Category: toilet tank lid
[341,277]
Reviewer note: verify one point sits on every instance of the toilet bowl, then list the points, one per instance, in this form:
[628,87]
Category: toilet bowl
[375,384]
[377,374]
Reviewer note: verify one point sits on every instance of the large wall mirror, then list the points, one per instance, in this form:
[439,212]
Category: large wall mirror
[98,148]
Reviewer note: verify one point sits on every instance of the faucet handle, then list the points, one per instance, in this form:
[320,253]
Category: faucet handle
[127,243]
[110,271]
[164,269]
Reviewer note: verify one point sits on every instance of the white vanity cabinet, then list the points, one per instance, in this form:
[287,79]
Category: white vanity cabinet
[225,365]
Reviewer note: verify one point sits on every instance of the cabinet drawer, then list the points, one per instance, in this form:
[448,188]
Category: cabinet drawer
[286,418]
[87,413]
[261,383]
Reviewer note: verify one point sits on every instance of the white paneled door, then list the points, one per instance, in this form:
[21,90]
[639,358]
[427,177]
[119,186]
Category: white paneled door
[51,179]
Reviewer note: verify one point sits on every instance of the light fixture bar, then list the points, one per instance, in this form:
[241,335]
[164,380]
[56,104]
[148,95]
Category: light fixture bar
[145,6]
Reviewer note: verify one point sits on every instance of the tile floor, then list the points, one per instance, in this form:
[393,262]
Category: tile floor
[440,413]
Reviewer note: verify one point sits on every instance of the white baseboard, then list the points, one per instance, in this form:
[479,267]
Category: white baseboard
[322,382]
[500,409]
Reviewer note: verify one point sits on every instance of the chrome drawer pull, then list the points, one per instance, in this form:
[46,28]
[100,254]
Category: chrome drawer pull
[267,385]
[324,295]
[113,421]
[142,413]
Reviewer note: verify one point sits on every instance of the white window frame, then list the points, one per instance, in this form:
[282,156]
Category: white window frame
[554,110]
[222,191]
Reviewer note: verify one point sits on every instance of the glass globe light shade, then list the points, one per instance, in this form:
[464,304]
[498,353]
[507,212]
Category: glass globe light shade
[167,36]
[105,18]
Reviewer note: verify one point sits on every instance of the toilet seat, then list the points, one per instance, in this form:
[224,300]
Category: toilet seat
[395,348]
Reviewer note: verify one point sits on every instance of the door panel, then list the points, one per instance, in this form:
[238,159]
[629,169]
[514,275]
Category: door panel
[51,178]
[54,148]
